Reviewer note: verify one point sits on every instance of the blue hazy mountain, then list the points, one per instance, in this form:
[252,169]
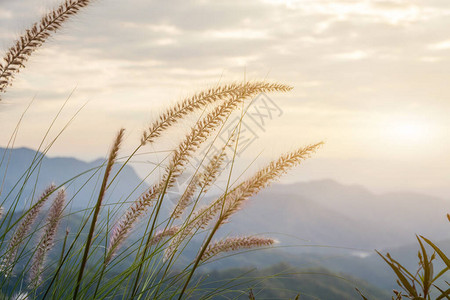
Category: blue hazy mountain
[319,223]
[22,181]
[324,213]
[328,213]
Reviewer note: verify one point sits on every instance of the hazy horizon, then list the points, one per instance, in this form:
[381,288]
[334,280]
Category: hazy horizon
[368,80]
[142,172]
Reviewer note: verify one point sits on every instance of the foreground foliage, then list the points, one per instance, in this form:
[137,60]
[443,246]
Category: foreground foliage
[90,264]
[425,283]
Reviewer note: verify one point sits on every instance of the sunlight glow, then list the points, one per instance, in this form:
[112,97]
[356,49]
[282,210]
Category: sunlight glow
[394,13]
[409,131]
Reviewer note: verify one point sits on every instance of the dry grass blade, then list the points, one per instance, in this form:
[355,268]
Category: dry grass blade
[22,230]
[212,170]
[34,37]
[185,199]
[199,134]
[47,238]
[228,204]
[248,188]
[126,223]
[198,101]
[236,243]
[163,233]
[199,220]
[202,180]
[111,160]
[234,200]
[207,125]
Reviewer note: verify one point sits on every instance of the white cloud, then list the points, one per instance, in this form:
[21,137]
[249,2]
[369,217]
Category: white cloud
[430,59]
[390,12]
[440,46]
[158,28]
[5,14]
[236,34]
[354,55]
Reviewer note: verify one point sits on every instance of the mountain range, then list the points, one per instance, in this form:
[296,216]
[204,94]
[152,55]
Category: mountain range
[318,223]
[331,214]
[81,179]
[324,213]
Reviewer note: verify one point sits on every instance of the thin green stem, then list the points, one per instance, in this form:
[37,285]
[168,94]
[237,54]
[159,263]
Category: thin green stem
[147,243]
[111,159]
[218,223]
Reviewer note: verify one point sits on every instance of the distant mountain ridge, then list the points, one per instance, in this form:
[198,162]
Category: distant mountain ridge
[321,212]
[59,170]
[319,223]
[328,213]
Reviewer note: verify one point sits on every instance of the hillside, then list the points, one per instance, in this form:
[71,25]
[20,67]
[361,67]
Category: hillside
[283,281]
[330,214]
[320,224]
[60,170]
[322,212]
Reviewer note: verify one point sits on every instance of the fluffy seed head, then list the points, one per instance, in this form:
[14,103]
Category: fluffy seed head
[235,199]
[200,219]
[33,38]
[46,241]
[234,244]
[22,230]
[126,223]
[198,135]
[185,198]
[199,101]
[212,170]
[163,233]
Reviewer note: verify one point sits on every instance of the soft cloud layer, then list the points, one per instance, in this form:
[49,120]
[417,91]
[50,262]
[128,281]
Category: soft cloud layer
[370,77]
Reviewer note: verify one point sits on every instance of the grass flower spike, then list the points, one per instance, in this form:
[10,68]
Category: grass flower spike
[23,229]
[236,243]
[47,238]
[198,135]
[196,102]
[264,177]
[34,37]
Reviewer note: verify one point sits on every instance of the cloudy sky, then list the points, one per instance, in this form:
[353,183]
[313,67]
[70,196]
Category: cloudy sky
[370,77]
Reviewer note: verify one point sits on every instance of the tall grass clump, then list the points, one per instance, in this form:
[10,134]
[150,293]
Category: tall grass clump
[135,248]
[427,282]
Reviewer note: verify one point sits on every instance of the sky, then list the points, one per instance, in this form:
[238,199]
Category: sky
[370,79]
